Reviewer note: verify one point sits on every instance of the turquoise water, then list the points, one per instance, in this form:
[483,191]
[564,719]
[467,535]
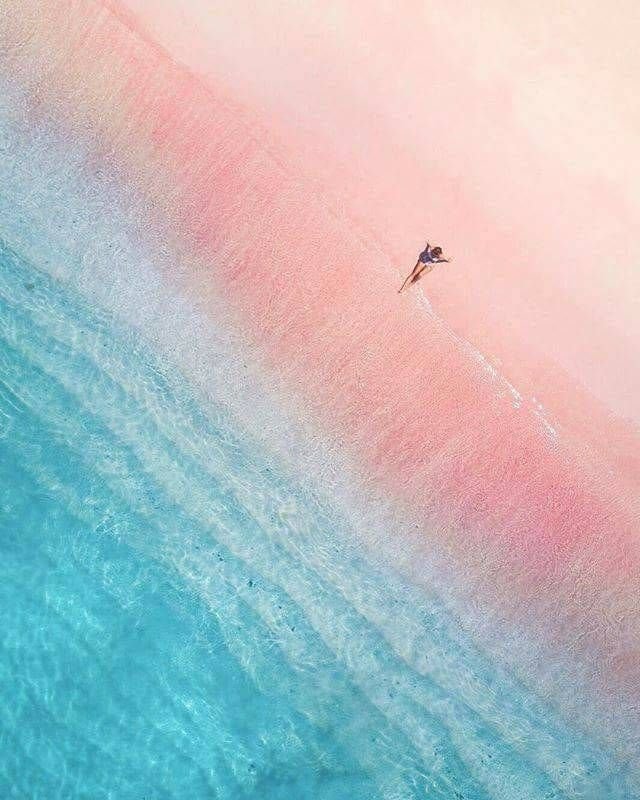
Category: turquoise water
[121,680]
[180,620]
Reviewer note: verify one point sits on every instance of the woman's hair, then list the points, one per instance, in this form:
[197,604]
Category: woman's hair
[436,251]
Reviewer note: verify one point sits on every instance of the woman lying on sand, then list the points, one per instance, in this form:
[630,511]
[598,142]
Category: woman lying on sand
[426,261]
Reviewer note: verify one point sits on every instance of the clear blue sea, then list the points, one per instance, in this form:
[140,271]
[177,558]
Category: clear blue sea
[177,619]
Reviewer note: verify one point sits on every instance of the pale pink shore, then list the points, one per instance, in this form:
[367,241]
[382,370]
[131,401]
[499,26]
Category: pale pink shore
[509,132]
[504,133]
[540,513]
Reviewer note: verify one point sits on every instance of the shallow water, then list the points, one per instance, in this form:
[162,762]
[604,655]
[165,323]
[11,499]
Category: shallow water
[178,619]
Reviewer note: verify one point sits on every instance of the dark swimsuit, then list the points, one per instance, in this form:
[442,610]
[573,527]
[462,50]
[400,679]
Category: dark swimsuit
[425,257]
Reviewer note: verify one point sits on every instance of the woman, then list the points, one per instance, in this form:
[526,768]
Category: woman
[426,260]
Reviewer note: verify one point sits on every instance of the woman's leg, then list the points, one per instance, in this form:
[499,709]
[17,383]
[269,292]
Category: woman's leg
[410,278]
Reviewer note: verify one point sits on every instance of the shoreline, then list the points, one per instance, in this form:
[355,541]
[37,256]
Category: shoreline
[526,514]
